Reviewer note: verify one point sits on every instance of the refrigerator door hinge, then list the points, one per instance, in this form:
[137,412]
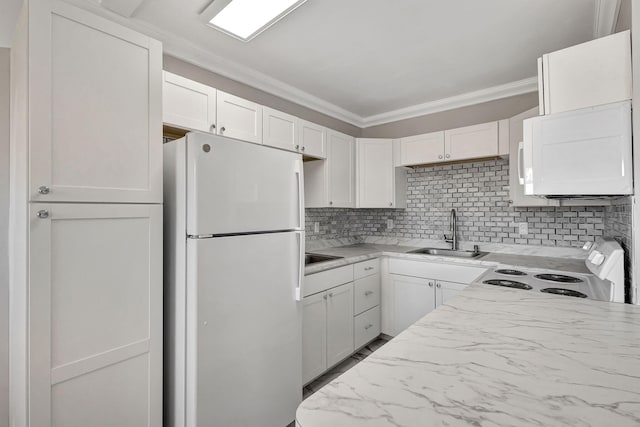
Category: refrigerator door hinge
[199,236]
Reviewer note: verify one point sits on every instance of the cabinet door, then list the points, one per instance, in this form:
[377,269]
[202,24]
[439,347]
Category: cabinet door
[517,198]
[375,173]
[589,74]
[413,298]
[339,323]
[471,142]
[187,104]
[340,170]
[445,290]
[314,336]
[313,139]
[238,118]
[95,109]
[95,315]
[422,149]
[280,130]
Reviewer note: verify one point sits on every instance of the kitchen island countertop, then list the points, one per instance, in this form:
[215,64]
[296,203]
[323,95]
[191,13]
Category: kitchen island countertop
[495,357]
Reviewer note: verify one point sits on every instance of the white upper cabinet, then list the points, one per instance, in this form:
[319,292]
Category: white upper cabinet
[187,104]
[239,118]
[465,143]
[471,142]
[586,75]
[94,124]
[313,139]
[280,129]
[422,149]
[379,184]
[331,182]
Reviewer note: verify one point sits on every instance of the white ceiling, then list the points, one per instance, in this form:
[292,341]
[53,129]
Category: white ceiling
[371,61]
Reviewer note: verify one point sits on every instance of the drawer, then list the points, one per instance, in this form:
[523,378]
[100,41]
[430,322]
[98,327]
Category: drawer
[366,293]
[327,279]
[366,268]
[366,327]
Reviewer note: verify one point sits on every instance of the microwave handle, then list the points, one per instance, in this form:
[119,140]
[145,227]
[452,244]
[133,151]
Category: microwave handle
[520,152]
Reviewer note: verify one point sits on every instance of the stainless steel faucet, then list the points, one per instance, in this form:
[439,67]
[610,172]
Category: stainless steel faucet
[453,227]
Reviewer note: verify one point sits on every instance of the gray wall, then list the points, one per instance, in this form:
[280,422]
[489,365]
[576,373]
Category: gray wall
[233,87]
[465,116]
[4,239]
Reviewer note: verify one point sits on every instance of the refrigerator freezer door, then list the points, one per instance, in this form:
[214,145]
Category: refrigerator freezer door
[244,342]
[239,187]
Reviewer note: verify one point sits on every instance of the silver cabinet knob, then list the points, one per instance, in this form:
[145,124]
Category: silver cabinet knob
[212,128]
[440,156]
[368,326]
[447,156]
[324,297]
[222,129]
[42,214]
[390,203]
[297,147]
[438,285]
[330,203]
[302,148]
[510,202]
[368,268]
[330,294]
[44,189]
[431,284]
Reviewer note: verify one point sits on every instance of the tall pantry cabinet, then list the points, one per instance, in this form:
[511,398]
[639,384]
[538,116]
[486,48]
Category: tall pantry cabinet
[86,215]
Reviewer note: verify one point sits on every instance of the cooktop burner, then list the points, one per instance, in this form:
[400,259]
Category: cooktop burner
[567,292]
[507,284]
[510,272]
[561,278]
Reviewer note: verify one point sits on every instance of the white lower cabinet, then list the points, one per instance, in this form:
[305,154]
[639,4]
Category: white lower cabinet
[93,338]
[415,288]
[327,330]
[339,323]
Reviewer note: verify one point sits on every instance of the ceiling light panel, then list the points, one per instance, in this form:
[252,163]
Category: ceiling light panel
[245,19]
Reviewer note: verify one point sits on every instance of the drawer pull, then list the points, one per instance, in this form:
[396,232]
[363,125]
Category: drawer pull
[368,268]
[370,325]
[367,293]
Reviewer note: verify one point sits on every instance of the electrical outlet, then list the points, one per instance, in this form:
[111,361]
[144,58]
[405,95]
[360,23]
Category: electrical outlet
[389,224]
[316,227]
[523,228]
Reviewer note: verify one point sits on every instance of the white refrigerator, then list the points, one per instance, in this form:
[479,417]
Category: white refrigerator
[234,259]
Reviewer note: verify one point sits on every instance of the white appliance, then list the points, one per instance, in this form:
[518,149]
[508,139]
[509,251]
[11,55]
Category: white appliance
[234,258]
[585,152]
[605,261]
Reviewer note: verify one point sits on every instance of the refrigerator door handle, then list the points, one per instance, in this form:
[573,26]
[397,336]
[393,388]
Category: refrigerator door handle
[299,293]
[300,180]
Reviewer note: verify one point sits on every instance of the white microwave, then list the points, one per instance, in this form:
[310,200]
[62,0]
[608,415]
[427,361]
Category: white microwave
[580,153]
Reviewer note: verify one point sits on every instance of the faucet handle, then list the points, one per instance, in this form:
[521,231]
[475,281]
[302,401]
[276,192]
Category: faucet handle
[476,249]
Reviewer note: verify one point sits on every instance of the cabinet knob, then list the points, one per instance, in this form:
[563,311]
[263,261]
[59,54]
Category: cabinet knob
[330,203]
[368,268]
[440,156]
[222,129]
[324,297]
[42,214]
[302,148]
[431,284]
[510,202]
[212,128]
[438,285]
[447,156]
[366,294]
[369,326]
[391,204]
[297,147]
[44,189]
[330,294]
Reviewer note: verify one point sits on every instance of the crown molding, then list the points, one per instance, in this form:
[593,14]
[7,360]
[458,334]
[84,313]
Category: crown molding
[464,100]
[605,17]
[188,51]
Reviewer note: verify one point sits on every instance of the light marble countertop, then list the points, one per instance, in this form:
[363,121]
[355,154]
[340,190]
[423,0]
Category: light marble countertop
[495,357]
[358,252]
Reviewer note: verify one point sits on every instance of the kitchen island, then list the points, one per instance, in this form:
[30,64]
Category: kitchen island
[496,357]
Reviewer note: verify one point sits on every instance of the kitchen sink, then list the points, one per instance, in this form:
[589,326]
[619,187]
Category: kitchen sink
[316,258]
[448,252]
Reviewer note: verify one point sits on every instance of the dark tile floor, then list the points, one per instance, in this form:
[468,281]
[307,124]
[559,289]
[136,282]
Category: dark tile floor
[344,366]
